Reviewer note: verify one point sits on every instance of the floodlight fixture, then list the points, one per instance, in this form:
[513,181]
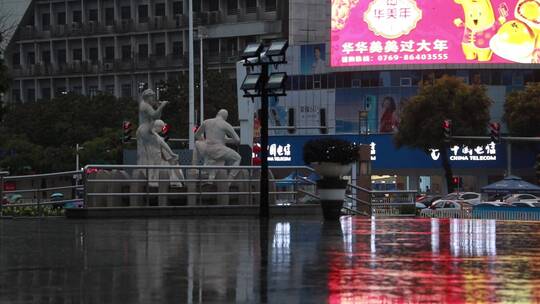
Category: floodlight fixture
[276,83]
[277,48]
[252,50]
[251,85]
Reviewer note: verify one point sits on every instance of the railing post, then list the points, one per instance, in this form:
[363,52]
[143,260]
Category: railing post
[295,186]
[199,185]
[1,191]
[250,174]
[85,188]
[38,194]
[146,198]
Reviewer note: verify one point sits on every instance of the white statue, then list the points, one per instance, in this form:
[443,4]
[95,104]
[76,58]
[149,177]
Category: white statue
[211,139]
[168,157]
[151,148]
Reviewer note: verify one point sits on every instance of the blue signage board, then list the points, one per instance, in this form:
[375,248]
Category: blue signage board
[287,151]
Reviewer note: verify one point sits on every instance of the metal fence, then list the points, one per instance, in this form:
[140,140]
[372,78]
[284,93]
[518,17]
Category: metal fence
[487,213]
[37,195]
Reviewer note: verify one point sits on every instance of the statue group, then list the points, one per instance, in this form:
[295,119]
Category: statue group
[211,138]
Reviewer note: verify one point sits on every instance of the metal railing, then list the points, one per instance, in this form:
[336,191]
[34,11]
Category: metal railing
[135,185]
[38,196]
[487,213]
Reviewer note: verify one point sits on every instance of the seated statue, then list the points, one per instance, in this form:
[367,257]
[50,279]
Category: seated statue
[168,157]
[211,139]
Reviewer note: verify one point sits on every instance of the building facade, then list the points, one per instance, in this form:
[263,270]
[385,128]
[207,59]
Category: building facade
[91,46]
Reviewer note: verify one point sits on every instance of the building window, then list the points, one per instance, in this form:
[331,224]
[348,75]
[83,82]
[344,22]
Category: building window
[126,90]
[109,16]
[178,8]
[15,95]
[93,54]
[143,51]
[61,56]
[77,54]
[77,17]
[143,13]
[46,93]
[45,21]
[126,52]
[232,7]
[77,90]
[16,59]
[109,89]
[177,49]
[213,6]
[46,57]
[30,58]
[30,95]
[92,91]
[160,49]
[109,53]
[160,9]
[270,5]
[251,6]
[213,46]
[93,15]
[61,18]
[125,12]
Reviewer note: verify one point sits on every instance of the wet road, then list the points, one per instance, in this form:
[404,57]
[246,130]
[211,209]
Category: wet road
[286,261]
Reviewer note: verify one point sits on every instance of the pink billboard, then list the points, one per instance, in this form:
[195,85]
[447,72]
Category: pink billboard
[377,32]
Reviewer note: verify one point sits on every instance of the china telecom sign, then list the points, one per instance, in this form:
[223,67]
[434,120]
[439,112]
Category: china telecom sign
[376,32]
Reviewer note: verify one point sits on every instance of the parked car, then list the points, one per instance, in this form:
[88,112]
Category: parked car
[450,204]
[472,198]
[420,206]
[491,204]
[526,204]
[427,200]
[510,198]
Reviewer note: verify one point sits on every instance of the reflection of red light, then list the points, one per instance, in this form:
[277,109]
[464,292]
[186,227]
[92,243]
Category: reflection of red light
[10,186]
[91,170]
[256,161]
[256,148]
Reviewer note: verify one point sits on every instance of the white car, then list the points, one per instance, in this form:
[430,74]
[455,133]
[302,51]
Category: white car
[444,204]
[511,198]
[472,198]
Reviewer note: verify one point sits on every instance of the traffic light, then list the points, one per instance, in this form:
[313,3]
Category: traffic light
[128,130]
[495,132]
[165,132]
[447,130]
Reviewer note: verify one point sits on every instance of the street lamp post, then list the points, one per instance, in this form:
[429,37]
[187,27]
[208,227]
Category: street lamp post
[191,80]
[202,35]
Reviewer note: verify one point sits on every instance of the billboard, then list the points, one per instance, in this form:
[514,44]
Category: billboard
[386,32]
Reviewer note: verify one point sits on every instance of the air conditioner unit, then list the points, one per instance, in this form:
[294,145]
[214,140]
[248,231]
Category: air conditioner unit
[405,82]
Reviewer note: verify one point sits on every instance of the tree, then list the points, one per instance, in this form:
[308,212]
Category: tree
[4,76]
[521,111]
[446,98]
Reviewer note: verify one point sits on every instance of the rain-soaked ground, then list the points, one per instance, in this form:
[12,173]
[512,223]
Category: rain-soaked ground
[216,260]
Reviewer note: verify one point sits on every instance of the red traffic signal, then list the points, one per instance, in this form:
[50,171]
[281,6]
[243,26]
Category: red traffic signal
[447,129]
[165,130]
[126,125]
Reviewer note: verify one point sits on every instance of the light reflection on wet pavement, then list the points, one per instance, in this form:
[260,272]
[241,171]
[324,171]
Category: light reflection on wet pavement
[218,260]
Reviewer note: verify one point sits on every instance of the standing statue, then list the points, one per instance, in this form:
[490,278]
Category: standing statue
[168,157]
[151,148]
[211,139]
